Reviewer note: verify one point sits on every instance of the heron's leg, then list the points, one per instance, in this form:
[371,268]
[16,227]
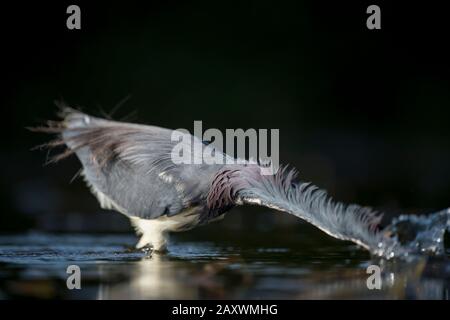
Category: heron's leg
[153,233]
[157,241]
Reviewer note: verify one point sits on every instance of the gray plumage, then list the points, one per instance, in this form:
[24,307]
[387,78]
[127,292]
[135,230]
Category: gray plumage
[129,169]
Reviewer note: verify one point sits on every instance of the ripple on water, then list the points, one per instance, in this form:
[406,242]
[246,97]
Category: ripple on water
[35,265]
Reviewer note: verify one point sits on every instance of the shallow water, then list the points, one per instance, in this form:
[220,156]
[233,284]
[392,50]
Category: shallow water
[242,267]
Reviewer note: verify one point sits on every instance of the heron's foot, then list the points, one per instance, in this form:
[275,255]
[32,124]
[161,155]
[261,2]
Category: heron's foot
[149,249]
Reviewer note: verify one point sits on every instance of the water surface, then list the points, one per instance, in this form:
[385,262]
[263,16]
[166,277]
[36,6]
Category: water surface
[282,266]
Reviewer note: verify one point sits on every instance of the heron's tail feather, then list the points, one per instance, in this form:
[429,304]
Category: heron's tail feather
[71,120]
[77,130]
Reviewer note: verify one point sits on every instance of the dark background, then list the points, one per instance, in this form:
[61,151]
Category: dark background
[362,113]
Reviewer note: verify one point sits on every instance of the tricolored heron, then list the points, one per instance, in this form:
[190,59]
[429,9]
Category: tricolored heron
[129,169]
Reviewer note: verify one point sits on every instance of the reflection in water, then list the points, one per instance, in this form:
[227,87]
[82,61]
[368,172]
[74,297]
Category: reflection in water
[403,281]
[157,277]
[34,266]
[149,278]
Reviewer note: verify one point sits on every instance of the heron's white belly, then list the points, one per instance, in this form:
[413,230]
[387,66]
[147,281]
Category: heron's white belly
[155,231]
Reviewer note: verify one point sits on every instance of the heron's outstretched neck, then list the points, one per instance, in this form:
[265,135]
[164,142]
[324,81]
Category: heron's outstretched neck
[304,200]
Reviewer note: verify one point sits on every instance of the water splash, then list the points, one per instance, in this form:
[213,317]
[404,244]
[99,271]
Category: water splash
[410,235]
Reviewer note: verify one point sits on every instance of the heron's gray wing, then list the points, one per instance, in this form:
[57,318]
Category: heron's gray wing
[129,166]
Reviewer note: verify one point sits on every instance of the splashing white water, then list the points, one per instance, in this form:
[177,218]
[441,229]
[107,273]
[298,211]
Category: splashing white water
[409,235]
